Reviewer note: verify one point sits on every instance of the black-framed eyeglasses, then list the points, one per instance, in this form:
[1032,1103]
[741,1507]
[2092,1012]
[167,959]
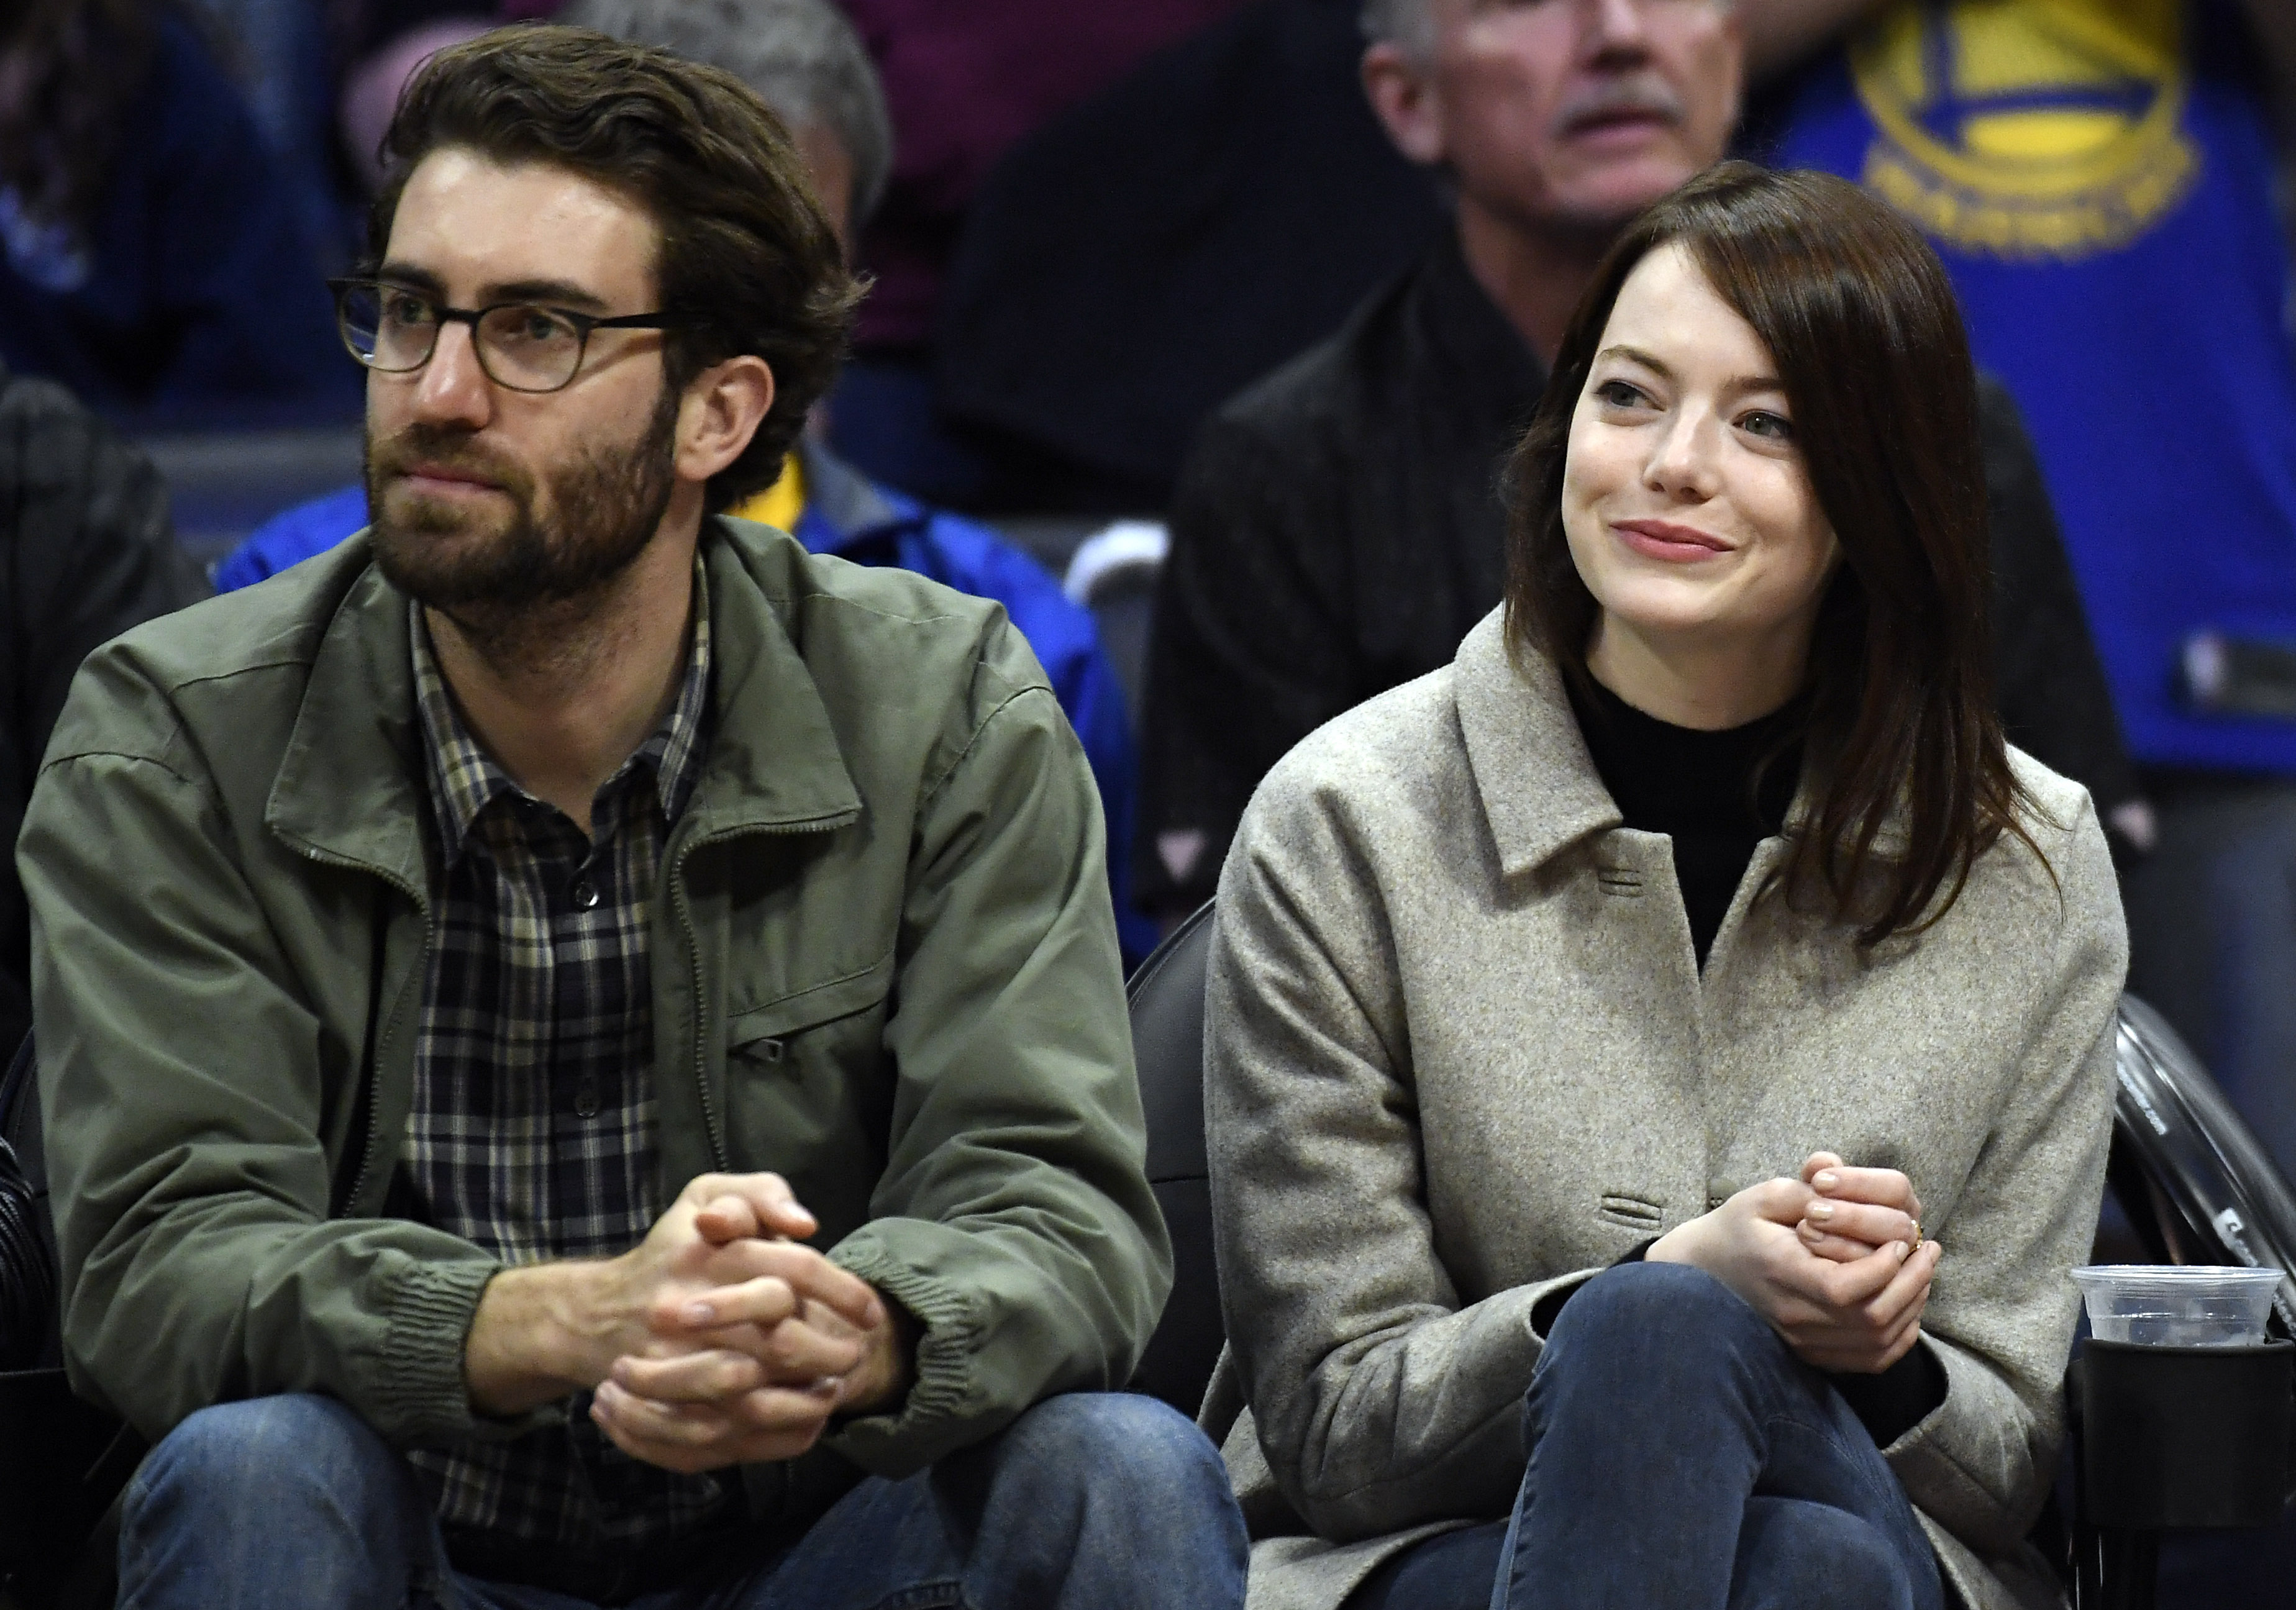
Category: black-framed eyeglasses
[522,346]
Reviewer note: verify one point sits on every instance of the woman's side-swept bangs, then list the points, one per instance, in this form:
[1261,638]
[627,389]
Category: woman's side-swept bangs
[1911,774]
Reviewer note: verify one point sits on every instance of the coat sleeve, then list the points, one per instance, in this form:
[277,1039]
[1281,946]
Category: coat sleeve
[2002,1309]
[1381,1399]
[1014,1219]
[1248,648]
[185,1088]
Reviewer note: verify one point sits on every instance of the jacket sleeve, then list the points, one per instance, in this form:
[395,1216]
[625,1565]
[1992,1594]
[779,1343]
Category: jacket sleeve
[2002,1308]
[1248,648]
[181,1077]
[1014,1219]
[1381,1399]
[2055,703]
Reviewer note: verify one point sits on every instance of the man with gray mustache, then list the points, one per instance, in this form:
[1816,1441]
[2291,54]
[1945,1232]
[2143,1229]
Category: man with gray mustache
[1337,528]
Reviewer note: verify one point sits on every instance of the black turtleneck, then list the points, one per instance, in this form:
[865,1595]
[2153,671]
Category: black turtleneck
[1696,788]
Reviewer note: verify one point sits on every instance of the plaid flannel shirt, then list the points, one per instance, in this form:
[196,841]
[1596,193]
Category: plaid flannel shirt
[533,1127]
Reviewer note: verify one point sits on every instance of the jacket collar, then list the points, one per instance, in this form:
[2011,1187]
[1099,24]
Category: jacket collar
[774,761]
[1539,789]
[350,789]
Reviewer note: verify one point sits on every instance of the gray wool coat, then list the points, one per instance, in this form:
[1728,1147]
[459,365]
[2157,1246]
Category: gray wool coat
[1459,1054]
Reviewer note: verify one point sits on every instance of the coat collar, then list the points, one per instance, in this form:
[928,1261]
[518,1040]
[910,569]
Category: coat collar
[1539,789]
[348,788]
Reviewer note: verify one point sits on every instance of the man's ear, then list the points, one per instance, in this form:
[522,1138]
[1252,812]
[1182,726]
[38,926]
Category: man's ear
[1396,84]
[721,410]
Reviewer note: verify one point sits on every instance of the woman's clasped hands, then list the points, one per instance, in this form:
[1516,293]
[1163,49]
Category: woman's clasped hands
[1834,1261]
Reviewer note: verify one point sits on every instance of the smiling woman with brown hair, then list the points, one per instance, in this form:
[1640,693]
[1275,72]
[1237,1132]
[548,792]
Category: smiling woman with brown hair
[1551,993]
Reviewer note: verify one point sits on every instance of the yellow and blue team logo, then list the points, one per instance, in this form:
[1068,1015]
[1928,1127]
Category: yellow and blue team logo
[2026,129]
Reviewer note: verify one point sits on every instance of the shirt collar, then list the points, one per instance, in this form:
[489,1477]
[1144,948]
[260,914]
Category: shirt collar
[464,779]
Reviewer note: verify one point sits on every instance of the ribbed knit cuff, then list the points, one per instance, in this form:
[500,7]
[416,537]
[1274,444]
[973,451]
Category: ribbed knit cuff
[931,1420]
[422,1399]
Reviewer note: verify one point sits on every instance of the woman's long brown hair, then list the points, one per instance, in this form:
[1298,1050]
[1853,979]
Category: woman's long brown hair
[1857,312]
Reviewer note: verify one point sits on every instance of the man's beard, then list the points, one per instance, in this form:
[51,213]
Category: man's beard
[487,567]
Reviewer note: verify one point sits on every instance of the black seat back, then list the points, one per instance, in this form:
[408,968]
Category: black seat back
[61,1461]
[1167,999]
[2195,1182]
[28,1251]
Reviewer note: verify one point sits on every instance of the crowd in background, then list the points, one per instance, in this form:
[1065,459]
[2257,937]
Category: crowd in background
[1281,277]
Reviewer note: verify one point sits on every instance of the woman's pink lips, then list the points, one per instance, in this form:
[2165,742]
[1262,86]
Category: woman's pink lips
[1674,545]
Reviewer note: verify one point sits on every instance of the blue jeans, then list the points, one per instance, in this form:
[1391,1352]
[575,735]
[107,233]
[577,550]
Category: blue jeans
[1682,1456]
[1094,1501]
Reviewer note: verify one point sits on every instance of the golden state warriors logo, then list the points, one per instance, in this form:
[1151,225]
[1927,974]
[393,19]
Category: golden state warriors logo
[2027,128]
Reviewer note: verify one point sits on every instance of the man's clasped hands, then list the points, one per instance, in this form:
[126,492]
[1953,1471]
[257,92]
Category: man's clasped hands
[1834,1261]
[720,1339]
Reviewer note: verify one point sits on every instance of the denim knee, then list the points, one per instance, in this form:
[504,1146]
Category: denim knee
[1661,1311]
[1793,1553]
[272,1461]
[282,1499]
[1118,1443]
[244,1452]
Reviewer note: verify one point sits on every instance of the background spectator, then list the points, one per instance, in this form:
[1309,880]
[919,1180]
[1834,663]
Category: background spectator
[382,42]
[1142,257]
[964,82]
[280,54]
[2099,179]
[150,259]
[85,553]
[1338,529]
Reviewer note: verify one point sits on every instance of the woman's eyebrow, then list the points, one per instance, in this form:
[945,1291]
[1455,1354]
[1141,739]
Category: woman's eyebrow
[1739,385]
[1635,354]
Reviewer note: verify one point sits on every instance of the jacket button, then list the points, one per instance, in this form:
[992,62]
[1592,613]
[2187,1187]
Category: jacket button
[583,892]
[585,1098]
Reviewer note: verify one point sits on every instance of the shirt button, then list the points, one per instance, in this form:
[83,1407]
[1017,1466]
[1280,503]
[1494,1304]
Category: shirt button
[585,1098]
[582,892]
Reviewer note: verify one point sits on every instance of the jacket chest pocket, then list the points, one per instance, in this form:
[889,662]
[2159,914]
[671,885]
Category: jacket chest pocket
[810,1092]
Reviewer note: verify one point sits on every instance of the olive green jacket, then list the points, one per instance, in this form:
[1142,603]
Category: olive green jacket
[885,967]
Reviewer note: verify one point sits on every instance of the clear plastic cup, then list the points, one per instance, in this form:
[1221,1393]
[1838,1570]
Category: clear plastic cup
[2177,1305]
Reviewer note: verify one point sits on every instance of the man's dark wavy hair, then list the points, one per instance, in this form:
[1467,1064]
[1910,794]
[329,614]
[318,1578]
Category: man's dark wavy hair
[746,253]
[1900,730]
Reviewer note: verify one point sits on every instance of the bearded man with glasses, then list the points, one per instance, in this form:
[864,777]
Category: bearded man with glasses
[582,1046]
